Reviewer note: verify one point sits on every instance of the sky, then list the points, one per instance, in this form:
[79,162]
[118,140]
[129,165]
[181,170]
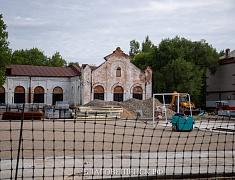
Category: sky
[85,31]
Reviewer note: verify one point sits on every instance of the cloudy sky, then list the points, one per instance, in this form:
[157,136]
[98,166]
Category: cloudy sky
[85,31]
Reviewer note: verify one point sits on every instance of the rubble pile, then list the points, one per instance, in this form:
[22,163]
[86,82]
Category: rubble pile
[146,106]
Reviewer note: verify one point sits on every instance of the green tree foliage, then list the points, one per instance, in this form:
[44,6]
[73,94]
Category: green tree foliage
[57,60]
[147,45]
[134,48]
[29,57]
[179,65]
[75,63]
[5,52]
[36,57]
[142,60]
[183,76]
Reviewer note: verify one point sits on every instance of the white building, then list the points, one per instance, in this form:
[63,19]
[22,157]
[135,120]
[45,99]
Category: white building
[41,84]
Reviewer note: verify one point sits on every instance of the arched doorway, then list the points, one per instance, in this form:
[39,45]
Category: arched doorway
[118,94]
[57,94]
[138,93]
[2,95]
[99,92]
[38,96]
[19,94]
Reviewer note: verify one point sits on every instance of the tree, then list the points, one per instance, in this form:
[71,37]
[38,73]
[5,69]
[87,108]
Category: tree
[134,48]
[29,57]
[183,76]
[179,65]
[142,60]
[36,57]
[147,45]
[57,60]
[75,63]
[205,56]
[5,52]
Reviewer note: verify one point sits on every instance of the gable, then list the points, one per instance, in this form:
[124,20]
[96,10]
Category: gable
[118,65]
[118,53]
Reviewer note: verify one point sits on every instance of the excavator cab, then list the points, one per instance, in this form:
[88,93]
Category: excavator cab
[184,103]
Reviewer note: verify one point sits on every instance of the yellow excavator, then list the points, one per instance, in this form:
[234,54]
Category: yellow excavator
[184,103]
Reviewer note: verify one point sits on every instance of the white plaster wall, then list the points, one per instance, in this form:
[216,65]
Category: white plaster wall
[68,85]
[86,85]
[148,78]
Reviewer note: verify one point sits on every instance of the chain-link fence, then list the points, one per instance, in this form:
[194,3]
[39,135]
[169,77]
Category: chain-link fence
[114,148]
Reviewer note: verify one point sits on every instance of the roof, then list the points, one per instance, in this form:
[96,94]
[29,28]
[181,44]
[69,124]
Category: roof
[232,55]
[92,67]
[118,53]
[42,71]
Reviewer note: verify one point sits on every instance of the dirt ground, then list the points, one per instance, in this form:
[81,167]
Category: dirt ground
[50,138]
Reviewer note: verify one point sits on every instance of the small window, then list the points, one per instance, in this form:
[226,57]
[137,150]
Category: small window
[118,94]
[8,71]
[118,72]
[19,94]
[138,93]
[2,95]
[57,95]
[38,95]
[99,92]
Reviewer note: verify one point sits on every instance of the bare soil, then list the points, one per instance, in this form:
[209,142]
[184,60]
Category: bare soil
[43,138]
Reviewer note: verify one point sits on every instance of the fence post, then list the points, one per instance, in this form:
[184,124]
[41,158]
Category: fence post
[20,139]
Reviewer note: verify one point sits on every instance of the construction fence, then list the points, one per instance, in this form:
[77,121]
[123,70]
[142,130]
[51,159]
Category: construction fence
[115,148]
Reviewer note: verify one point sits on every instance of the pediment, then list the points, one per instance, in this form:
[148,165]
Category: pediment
[118,53]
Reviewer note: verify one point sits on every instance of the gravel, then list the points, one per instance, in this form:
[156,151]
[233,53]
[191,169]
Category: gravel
[132,105]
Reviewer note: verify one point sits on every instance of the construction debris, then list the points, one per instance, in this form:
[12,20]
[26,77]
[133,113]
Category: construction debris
[100,111]
[132,105]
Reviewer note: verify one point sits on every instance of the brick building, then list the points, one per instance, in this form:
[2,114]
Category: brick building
[221,86]
[117,79]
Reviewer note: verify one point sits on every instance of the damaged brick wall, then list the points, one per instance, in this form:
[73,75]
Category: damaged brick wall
[117,70]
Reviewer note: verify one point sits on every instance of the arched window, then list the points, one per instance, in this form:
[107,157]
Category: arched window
[57,95]
[2,95]
[19,94]
[118,94]
[138,93]
[38,96]
[118,72]
[99,92]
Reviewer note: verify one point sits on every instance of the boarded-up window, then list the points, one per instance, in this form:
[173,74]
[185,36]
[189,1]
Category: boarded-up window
[118,72]
[138,93]
[57,95]
[38,95]
[57,90]
[2,95]
[19,94]
[99,92]
[118,94]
